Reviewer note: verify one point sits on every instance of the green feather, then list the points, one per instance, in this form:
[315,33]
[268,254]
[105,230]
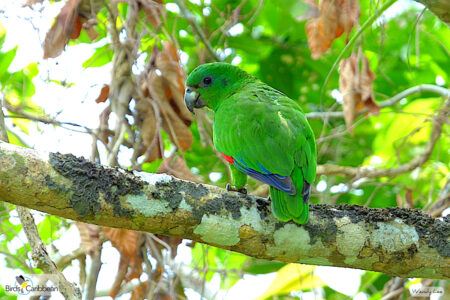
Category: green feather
[286,207]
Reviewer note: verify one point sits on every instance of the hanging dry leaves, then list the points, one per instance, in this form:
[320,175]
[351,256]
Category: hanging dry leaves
[163,105]
[348,85]
[129,243]
[176,166]
[367,78]
[90,236]
[149,122]
[153,9]
[68,25]
[336,17]
[356,88]
[348,14]
[62,29]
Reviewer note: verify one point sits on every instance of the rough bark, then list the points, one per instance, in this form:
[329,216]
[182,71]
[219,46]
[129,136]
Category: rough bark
[400,242]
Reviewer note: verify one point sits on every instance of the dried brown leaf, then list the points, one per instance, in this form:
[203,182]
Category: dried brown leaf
[73,17]
[349,11]
[90,236]
[322,31]
[163,106]
[349,85]
[408,198]
[128,243]
[139,292]
[146,121]
[317,41]
[399,200]
[176,166]
[153,10]
[170,112]
[104,94]
[61,31]
[178,131]
[330,17]
[356,87]
[336,17]
[173,78]
[367,77]
[77,26]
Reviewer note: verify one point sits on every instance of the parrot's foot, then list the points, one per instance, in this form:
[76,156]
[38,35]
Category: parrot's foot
[242,190]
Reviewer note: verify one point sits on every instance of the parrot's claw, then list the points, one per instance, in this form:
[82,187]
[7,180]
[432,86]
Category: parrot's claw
[242,190]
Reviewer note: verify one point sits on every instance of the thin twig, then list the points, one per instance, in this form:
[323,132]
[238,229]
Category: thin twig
[3,132]
[390,102]
[360,172]
[41,257]
[196,29]
[91,282]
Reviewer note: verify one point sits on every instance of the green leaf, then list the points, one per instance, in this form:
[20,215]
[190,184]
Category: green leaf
[262,266]
[396,135]
[292,277]
[152,167]
[101,57]
[6,59]
[2,35]
[217,258]
[49,228]
[16,140]
[9,229]
[6,295]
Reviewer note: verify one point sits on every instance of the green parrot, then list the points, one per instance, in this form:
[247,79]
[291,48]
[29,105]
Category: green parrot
[260,132]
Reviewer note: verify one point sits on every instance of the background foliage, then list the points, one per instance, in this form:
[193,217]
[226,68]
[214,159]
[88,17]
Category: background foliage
[149,46]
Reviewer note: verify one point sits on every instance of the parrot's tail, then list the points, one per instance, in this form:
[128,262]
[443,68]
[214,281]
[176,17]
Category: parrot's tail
[287,207]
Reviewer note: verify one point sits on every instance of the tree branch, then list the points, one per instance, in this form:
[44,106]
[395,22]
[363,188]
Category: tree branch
[38,249]
[390,102]
[196,29]
[41,257]
[401,242]
[360,172]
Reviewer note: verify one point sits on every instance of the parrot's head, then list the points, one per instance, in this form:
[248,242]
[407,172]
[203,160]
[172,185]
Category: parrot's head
[209,84]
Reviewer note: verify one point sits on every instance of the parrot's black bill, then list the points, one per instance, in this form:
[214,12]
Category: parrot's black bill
[193,100]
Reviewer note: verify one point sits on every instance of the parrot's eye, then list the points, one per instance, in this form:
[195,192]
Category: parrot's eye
[207,80]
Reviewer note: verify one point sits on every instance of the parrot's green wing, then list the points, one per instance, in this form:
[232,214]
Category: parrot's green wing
[266,135]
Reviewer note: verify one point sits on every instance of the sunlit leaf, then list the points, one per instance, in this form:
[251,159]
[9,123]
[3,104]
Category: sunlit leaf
[101,57]
[48,228]
[6,59]
[292,277]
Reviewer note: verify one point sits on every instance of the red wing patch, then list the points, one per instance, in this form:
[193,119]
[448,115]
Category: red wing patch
[228,158]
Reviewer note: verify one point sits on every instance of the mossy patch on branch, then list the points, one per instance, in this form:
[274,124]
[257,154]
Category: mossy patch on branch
[435,232]
[90,180]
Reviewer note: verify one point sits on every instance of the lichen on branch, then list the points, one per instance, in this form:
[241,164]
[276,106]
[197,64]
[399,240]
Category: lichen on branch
[400,242]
